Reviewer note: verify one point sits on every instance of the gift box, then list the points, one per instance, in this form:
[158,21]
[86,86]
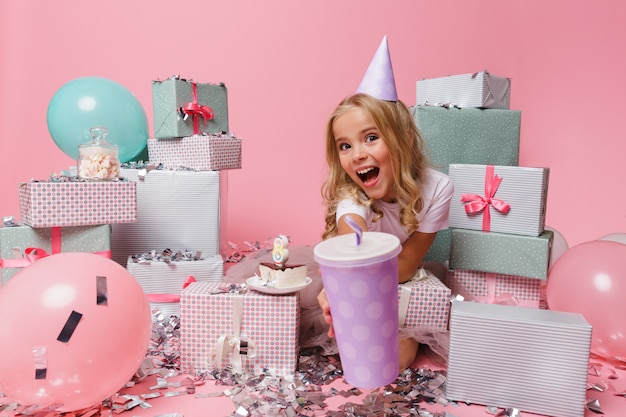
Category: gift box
[439,251]
[502,253]
[226,326]
[183,108]
[22,245]
[487,287]
[424,302]
[176,209]
[198,152]
[469,135]
[515,357]
[478,89]
[163,279]
[77,203]
[501,199]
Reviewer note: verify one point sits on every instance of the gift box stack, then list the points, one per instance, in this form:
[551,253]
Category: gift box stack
[64,214]
[173,249]
[497,251]
[179,192]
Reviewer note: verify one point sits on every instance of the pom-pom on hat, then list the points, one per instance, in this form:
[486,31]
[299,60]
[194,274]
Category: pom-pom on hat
[379,80]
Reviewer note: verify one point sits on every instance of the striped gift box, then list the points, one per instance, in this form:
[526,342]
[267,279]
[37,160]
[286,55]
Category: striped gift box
[482,194]
[163,282]
[199,152]
[530,359]
[479,89]
[179,210]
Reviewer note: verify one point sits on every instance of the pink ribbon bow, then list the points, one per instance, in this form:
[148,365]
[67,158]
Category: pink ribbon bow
[476,203]
[504,298]
[196,110]
[170,298]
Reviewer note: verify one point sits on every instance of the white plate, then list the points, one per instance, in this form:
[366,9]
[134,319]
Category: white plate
[256,284]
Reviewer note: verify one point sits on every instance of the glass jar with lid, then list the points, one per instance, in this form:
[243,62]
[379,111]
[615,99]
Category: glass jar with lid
[98,159]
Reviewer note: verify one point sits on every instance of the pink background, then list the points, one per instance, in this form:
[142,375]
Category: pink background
[287,63]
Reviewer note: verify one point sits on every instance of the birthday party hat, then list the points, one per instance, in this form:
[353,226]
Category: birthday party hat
[379,80]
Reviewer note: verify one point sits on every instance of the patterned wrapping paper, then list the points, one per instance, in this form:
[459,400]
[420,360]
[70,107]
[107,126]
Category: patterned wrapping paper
[469,136]
[487,287]
[179,210]
[502,253]
[530,359]
[16,240]
[84,203]
[163,282]
[268,330]
[169,96]
[479,89]
[424,302]
[516,200]
[198,152]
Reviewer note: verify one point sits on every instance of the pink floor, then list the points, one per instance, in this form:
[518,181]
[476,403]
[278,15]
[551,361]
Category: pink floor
[203,403]
[212,400]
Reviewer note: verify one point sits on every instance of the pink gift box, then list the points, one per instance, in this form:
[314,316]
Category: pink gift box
[245,330]
[488,287]
[424,302]
[64,204]
[210,152]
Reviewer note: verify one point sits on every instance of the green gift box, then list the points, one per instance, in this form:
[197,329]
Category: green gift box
[183,108]
[22,245]
[469,135]
[504,253]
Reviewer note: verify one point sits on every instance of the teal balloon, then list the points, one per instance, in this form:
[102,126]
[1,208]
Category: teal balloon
[86,102]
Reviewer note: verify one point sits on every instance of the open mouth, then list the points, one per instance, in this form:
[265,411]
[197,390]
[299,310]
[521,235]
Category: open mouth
[368,175]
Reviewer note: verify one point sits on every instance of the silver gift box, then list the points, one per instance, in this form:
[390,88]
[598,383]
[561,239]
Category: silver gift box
[530,359]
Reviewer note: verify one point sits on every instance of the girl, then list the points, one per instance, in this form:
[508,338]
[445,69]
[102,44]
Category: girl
[380,176]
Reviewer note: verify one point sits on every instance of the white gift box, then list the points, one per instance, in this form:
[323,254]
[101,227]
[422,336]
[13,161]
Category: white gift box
[530,359]
[479,89]
[496,198]
[163,282]
[240,329]
[176,209]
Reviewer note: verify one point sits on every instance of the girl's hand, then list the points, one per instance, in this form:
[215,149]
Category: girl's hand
[323,301]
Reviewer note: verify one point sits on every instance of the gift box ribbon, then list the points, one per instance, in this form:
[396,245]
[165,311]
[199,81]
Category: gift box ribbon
[196,110]
[505,298]
[33,254]
[170,298]
[477,203]
[234,344]
[405,295]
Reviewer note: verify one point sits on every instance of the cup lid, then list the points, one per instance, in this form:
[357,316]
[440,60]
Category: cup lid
[343,250]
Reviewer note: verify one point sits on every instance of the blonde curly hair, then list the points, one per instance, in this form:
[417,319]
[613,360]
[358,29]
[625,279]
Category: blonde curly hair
[407,151]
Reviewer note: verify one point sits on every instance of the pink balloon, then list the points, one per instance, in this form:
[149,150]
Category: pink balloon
[75,328]
[590,279]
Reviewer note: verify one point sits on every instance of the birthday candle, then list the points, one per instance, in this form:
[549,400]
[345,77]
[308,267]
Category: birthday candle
[280,251]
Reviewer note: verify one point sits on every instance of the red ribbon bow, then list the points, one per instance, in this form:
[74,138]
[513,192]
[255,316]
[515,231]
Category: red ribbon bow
[476,203]
[196,110]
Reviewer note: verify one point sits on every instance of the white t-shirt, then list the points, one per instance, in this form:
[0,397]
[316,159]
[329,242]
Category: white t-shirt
[437,193]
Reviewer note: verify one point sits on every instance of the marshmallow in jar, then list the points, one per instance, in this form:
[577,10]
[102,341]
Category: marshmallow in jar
[98,159]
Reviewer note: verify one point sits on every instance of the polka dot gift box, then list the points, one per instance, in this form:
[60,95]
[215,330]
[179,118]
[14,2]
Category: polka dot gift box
[77,203]
[199,152]
[424,302]
[226,325]
[488,287]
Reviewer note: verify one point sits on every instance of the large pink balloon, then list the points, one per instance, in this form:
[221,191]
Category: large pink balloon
[590,278]
[75,328]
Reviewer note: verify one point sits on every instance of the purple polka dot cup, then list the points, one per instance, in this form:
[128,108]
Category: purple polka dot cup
[361,282]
